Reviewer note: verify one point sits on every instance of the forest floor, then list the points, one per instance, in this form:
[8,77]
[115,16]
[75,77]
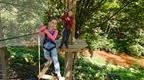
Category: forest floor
[29,72]
[121,59]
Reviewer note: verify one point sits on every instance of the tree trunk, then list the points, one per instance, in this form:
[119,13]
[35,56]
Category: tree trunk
[3,63]
[3,51]
[74,26]
[72,5]
[70,56]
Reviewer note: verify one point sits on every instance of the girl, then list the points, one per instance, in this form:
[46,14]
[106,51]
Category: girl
[67,20]
[50,33]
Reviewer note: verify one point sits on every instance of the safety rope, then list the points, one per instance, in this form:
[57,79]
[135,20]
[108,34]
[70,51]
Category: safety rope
[39,53]
[18,36]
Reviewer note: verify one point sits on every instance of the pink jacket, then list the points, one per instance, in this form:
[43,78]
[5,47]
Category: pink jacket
[44,30]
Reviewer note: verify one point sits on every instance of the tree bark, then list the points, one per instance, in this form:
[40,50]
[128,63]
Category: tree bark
[3,52]
[70,56]
[72,6]
[3,63]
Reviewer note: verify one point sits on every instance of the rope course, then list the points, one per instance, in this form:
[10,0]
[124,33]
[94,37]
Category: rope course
[41,73]
[18,36]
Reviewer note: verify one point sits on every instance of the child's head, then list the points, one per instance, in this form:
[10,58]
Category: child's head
[70,13]
[53,23]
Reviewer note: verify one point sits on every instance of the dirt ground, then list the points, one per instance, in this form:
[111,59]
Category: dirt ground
[122,60]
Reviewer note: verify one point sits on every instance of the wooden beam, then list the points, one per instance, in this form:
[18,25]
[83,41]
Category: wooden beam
[72,6]
[50,77]
[70,57]
[69,60]
[44,70]
[74,26]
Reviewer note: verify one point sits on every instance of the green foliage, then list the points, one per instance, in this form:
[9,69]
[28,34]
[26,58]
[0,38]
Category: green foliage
[54,10]
[25,16]
[97,41]
[111,4]
[137,46]
[122,33]
[23,55]
[136,49]
[87,70]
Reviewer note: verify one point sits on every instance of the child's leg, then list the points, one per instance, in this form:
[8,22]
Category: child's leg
[54,56]
[63,38]
[47,56]
[47,64]
[67,38]
[62,42]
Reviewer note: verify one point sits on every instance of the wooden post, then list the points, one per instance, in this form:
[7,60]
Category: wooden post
[72,5]
[69,56]
[69,61]
[74,26]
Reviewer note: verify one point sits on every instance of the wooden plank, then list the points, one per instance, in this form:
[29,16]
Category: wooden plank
[44,70]
[78,45]
[69,61]
[48,77]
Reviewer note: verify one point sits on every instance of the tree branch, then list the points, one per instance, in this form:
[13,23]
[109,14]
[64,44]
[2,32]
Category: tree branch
[114,14]
[17,5]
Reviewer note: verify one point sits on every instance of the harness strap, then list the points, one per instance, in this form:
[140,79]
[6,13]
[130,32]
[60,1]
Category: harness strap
[46,39]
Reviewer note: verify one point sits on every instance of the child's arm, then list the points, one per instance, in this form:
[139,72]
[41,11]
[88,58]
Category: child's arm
[50,36]
[63,17]
[70,21]
[42,28]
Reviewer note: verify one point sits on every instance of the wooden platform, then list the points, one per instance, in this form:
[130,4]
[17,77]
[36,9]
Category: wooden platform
[71,55]
[78,45]
[78,42]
